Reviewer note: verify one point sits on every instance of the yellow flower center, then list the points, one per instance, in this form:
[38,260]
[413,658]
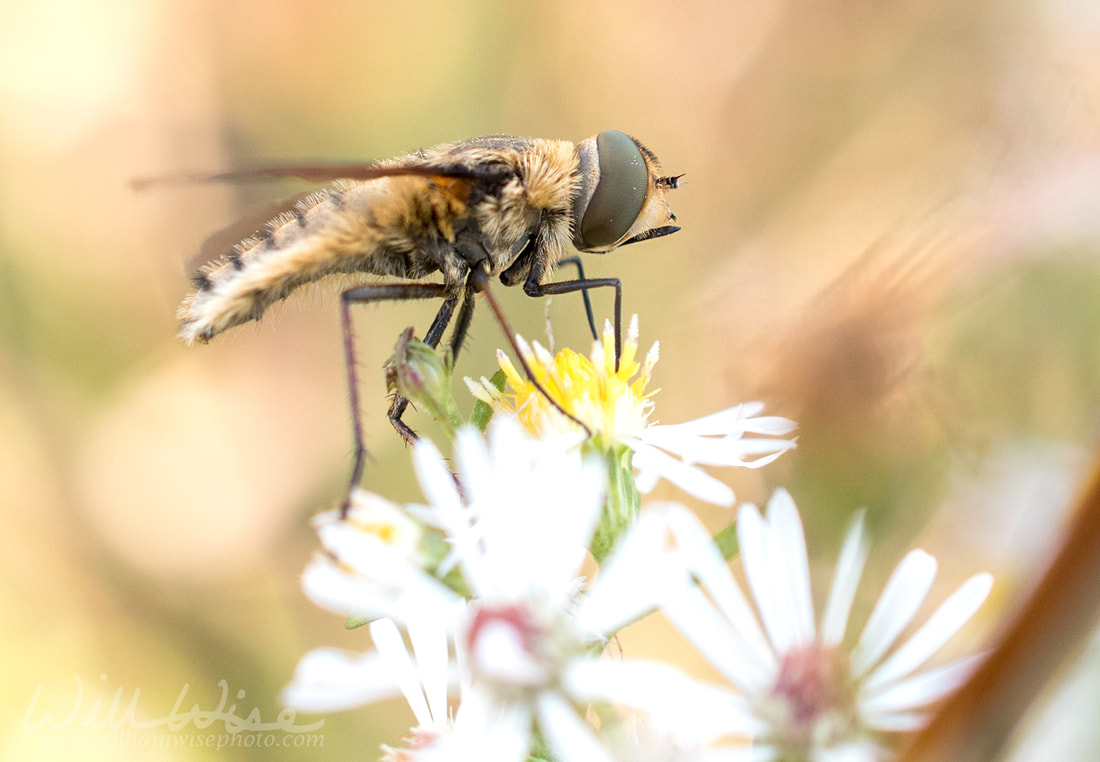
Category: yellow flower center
[612,403]
[376,516]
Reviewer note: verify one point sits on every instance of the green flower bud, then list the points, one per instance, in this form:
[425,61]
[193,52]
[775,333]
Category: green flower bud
[418,374]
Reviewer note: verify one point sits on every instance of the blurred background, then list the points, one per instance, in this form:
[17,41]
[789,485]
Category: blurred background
[890,229]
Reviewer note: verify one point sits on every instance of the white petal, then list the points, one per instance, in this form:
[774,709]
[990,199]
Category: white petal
[632,330]
[949,617]
[700,555]
[524,347]
[763,752]
[651,357]
[328,679]
[712,451]
[550,494]
[853,751]
[482,389]
[487,731]
[436,481]
[771,425]
[334,589]
[543,356]
[676,704]
[429,642]
[902,722]
[566,524]
[400,668]
[649,460]
[476,467]
[634,579]
[567,735]
[904,593]
[916,692]
[849,569]
[768,451]
[718,642]
[791,549]
[359,550]
[448,511]
[645,479]
[735,422]
[771,589]
[724,421]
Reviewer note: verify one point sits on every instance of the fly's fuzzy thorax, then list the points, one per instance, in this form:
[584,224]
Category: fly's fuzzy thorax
[550,182]
[550,174]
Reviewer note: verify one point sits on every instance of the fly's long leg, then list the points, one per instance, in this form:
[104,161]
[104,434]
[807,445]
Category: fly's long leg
[478,281]
[380,293]
[576,261]
[569,286]
[462,323]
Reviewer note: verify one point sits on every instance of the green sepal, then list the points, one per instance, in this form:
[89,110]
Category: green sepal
[483,411]
[355,622]
[726,541]
[623,501]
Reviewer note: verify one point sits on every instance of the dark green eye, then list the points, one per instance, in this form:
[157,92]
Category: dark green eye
[620,192]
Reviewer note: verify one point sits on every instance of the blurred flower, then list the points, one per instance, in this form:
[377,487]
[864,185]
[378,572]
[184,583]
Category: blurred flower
[852,363]
[805,695]
[614,404]
[379,562]
[328,679]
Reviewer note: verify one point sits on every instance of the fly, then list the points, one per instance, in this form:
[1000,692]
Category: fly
[499,205]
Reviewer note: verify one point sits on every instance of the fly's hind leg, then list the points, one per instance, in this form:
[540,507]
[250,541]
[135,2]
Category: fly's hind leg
[381,293]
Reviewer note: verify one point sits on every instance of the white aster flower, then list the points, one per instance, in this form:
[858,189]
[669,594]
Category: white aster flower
[614,404]
[375,565]
[805,695]
[519,530]
[526,644]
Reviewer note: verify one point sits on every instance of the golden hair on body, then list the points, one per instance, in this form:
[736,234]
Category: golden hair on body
[509,204]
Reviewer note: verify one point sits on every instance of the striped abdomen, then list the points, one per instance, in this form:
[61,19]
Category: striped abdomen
[388,226]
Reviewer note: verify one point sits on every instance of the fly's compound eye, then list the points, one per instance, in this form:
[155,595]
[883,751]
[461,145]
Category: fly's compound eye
[619,194]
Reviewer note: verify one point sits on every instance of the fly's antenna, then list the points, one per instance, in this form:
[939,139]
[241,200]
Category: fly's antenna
[672,182]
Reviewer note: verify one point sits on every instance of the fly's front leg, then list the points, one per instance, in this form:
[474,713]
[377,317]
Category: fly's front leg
[532,287]
[381,293]
[530,266]
[576,261]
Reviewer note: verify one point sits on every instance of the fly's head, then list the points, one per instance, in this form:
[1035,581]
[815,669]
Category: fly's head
[622,196]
